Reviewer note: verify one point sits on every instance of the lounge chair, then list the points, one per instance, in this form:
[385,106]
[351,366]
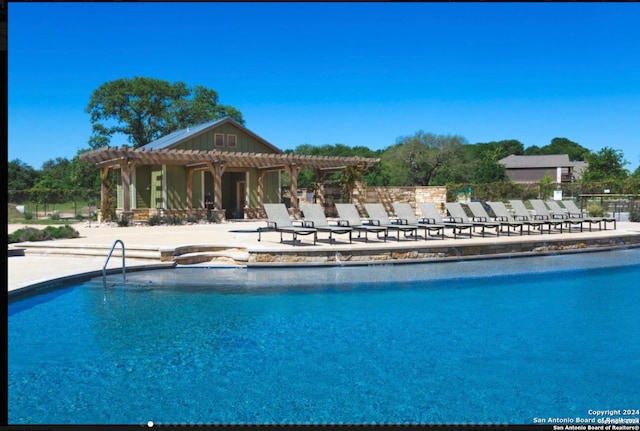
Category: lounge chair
[314,217]
[480,214]
[279,220]
[502,215]
[431,214]
[349,216]
[574,212]
[378,217]
[573,209]
[522,213]
[406,216]
[542,211]
[458,214]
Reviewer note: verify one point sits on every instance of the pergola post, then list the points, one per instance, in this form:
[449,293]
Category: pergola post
[260,188]
[189,188]
[104,191]
[126,185]
[321,175]
[217,169]
[293,171]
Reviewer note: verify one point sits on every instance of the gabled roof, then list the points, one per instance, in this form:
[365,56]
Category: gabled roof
[173,139]
[532,162]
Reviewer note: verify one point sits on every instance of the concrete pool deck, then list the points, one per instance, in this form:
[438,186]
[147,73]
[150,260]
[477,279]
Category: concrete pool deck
[236,243]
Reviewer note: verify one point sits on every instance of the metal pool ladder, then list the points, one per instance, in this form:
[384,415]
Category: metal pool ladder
[104,268]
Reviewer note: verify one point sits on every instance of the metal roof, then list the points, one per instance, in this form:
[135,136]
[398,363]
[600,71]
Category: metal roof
[532,162]
[179,136]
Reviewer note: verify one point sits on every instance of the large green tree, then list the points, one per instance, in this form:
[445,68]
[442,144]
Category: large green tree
[605,165]
[559,146]
[145,109]
[415,160]
[20,176]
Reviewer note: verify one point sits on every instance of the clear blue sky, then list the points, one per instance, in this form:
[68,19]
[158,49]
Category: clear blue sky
[350,73]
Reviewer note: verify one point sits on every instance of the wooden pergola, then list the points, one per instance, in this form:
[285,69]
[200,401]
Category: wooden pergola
[217,162]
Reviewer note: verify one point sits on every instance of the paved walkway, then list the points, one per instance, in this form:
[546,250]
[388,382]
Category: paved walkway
[35,268]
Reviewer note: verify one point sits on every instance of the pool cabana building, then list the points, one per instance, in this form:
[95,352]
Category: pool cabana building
[221,162]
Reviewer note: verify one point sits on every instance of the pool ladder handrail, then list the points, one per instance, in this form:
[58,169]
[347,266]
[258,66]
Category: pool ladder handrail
[104,268]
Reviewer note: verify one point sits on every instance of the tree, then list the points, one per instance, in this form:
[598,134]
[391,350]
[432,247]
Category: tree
[487,168]
[20,176]
[559,146]
[146,109]
[415,160]
[605,165]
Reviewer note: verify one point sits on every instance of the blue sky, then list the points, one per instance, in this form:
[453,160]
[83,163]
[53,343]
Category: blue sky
[351,73]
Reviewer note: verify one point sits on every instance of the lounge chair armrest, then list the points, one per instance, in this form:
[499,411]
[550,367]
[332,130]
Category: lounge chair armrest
[344,223]
[307,223]
[456,219]
[540,217]
[558,216]
[427,220]
[501,218]
[272,225]
[300,223]
[401,221]
[373,222]
[481,219]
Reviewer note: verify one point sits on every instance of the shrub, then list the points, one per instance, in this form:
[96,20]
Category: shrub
[213,217]
[29,234]
[28,215]
[192,219]
[595,210]
[174,220]
[154,220]
[123,221]
[634,212]
[55,216]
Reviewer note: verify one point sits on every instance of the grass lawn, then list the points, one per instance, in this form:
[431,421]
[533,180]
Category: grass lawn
[66,211]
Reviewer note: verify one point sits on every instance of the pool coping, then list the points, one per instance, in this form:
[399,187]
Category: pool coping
[59,282]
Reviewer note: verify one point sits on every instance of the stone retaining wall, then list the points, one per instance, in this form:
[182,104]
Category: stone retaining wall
[344,255]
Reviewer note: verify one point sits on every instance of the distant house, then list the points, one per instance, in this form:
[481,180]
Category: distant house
[531,169]
[219,165]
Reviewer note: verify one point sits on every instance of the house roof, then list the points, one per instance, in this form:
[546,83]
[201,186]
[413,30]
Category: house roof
[530,162]
[173,139]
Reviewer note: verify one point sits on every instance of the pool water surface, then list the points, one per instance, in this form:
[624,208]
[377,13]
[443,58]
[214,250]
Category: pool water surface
[493,341]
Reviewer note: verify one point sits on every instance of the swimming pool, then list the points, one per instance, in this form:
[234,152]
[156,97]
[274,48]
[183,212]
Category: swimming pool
[492,341]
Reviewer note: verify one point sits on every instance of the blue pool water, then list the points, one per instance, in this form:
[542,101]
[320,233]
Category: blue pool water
[493,341]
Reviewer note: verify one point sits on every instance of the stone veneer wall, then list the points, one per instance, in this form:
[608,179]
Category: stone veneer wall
[412,195]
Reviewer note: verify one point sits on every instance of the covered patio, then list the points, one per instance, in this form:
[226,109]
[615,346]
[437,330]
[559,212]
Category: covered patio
[216,163]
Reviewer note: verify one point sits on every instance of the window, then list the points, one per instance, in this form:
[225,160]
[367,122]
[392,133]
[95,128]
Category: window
[232,141]
[218,139]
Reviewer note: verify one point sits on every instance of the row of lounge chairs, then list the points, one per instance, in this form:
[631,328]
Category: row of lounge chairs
[547,216]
